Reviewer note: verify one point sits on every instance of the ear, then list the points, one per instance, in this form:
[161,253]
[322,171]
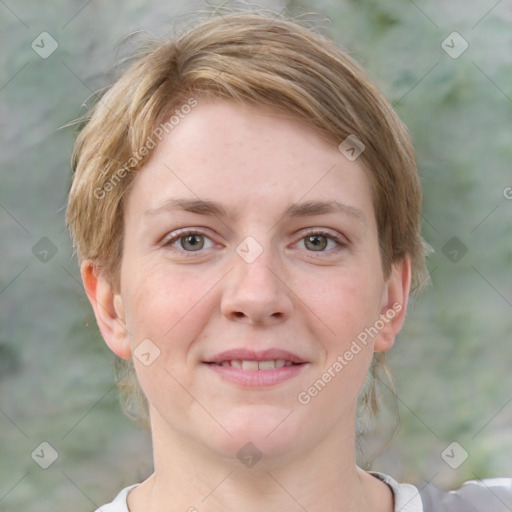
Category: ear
[108,309]
[394,304]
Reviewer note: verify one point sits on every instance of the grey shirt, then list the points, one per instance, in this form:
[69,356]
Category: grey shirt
[490,495]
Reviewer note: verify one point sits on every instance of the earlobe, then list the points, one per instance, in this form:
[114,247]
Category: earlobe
[394,304]
[108,309]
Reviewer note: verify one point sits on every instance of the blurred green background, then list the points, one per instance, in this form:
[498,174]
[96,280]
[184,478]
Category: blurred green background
[452,362]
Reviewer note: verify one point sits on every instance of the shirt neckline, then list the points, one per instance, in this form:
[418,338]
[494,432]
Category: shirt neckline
[406,496]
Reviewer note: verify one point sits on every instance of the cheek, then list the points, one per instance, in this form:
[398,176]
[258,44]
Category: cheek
[168,307]
[346,301]
[348,304]
[171,309]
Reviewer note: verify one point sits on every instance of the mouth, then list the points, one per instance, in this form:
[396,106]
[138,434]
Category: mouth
[251,369]
[252,365]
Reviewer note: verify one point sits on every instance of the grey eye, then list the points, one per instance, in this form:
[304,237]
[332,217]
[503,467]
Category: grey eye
[192,242]
[316,242]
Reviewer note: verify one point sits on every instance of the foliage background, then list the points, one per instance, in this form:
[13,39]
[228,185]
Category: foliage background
[452,362]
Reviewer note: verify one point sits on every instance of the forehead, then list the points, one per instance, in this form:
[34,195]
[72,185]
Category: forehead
[244,157]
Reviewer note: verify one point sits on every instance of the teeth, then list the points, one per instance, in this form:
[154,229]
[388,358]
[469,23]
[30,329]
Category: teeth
[257,365]
[249,365]
[266,365]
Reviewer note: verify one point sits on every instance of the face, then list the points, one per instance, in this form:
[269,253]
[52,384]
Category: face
[251,266]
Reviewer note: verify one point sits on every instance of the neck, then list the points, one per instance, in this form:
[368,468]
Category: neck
[324,479]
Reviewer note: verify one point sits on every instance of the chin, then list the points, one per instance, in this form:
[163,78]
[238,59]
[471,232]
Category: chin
[260,431]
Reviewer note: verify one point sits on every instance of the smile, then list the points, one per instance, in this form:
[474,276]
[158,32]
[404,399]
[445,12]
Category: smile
[256,365]
[250,374]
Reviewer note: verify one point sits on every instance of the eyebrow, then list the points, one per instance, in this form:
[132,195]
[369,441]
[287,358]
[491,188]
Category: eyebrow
[213,208]
[200,206]
[311,208]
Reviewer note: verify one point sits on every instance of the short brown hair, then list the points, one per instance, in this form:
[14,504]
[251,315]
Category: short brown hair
[254,59]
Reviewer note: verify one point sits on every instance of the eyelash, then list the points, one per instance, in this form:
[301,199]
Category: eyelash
[168,242]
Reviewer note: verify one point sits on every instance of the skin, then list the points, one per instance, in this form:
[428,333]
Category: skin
[310,302]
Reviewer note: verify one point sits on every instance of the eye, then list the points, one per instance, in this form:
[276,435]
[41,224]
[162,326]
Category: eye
[319,241]
[188,241]
[193,242]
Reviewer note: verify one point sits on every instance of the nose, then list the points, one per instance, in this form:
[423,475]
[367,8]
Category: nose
[256,292]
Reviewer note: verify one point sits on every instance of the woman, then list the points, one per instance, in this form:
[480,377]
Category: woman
[245,208]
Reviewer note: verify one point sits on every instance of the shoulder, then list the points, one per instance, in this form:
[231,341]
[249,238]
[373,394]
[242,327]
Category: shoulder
[492,494]
[119,504]
[473,496]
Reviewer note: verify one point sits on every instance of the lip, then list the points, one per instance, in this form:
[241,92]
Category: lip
[256,378]
[243,354]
